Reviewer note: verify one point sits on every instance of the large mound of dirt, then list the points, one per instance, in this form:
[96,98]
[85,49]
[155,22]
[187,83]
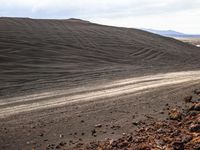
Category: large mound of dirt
[41,54]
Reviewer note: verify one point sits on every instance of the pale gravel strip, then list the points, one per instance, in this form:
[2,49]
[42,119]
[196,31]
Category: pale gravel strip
[127,86]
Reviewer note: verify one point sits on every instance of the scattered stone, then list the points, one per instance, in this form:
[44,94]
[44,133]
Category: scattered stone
[178,146]
[160,143]
[93,132]
[196,100]
[149,117]
[192,113]
[113,143]
[62,143]
[186,138]
[161,112]
[41,134]
[176,133]
[82,121]
[197,120]
[103,131]
[188,99]
[98,126]
[136,123]
[174,114]
[194,127]
[58,147]
[123,144]
[79,144]
[50,146]
[27,142]
[168,134]
[61,136]
[82,133]
[161,131]
[32,126]
[196,91]
[114,127]
[129,138]
[197,107]
[71,141]
[196,147]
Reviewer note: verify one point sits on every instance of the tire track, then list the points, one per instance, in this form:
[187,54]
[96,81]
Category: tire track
[138,85]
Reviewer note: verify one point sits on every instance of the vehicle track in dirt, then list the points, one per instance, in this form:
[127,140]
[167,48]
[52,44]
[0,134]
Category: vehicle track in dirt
[135,85]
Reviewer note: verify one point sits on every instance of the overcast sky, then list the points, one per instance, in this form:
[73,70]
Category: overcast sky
[179,15]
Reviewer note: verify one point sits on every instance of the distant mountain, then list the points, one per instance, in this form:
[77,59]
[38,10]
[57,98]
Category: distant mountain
[171,33]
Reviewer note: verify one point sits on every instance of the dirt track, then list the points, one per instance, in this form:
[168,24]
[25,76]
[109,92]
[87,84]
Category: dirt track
[127,103]
[127,86]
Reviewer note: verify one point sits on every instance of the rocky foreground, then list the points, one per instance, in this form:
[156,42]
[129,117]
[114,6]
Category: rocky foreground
[180,131]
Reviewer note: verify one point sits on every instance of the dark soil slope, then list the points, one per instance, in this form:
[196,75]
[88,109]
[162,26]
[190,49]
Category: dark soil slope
[43,54]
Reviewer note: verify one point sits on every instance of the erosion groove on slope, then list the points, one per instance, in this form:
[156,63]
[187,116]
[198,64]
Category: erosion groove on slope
[36,54]
[127,86]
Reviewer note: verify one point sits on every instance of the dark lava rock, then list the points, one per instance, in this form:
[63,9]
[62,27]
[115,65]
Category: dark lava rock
[113,143]
[160,143]
[196,91]
[197,107]
[115,127]
[161,112]
[82,133]
[50,146]
[129,138]
[161,131]
[93,132]
[186,138]
[193,113]
[136,123]
[196,100]
[178,146]
[62,143]
[194,128]
[176,133]
[58,147]
[123,144]
[188,99]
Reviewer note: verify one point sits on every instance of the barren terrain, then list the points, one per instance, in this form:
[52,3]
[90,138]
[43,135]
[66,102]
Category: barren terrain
[194,41]
[73,81]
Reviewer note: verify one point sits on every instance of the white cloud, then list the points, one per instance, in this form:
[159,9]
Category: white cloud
[173,14]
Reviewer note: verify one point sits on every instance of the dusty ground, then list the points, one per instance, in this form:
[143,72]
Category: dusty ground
[136,85]
[181,131]
[61,78]
[117,114]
